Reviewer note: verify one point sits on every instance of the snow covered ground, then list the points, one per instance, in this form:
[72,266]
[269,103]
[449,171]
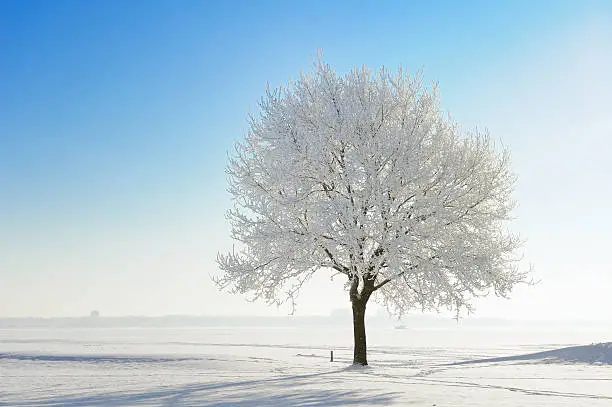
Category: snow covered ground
[290,367]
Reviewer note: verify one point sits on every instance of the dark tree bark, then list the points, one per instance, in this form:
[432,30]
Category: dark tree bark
[359,335]
[359,301]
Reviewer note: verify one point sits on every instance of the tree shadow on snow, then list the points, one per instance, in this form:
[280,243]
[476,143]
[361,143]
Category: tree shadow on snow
[600,354]
[297,390]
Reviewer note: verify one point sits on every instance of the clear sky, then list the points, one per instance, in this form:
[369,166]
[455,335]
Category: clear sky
[116,118]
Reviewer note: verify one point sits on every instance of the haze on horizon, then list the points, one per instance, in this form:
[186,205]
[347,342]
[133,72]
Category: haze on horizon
[116,120]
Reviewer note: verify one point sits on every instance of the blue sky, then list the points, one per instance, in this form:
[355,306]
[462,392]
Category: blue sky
[116,117]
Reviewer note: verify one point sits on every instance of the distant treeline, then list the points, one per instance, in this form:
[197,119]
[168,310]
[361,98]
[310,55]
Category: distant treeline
[336,319]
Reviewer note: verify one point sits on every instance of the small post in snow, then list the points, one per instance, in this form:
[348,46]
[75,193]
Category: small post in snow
[331,355]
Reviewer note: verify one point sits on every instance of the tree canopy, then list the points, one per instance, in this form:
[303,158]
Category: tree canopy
[364,175]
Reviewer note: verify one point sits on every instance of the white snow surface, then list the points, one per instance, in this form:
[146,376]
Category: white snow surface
[290,367]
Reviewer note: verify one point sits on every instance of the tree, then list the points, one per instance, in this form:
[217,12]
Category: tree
[362,175]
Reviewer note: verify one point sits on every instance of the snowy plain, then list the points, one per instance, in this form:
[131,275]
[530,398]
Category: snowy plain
[289,366]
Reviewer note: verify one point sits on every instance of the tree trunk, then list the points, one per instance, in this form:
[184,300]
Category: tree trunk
[359,299]
[359,335]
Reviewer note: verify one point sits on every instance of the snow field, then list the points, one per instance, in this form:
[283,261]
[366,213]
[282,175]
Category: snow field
[290,367]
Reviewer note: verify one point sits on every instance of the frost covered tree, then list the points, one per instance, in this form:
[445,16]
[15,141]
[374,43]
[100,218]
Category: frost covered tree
[363,175]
